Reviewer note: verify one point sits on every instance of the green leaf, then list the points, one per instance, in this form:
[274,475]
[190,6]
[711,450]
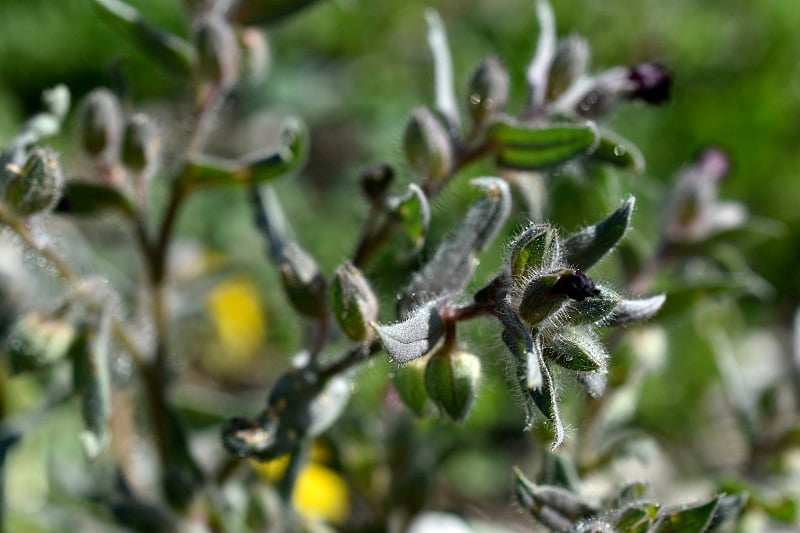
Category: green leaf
[303,282]
[414,213]
[618,151]
[551,505]
[89,353]
[636,518]
[452,379]
[583,249]
[687,519]
[353,302]
[525,492]
[413,338]
[521,345]
[452,266]
[575,350]
[532,147]
[173,51]
[629,311]
[265,11]
[592,309]
[81,198]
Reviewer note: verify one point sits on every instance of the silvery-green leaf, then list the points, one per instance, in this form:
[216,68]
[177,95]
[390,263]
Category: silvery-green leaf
[591,310]
[629,311]
[575,349]
[524,349]
[37,341]
[544,398]
[583,249]
[353,302]
[414,337]
[693,518]
[554,507]
[594,382]
[730,505]
[453,264]
[328,404]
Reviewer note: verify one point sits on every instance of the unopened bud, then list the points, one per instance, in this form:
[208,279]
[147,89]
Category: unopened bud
[427,145]
[650,82]
[353,302]
[255,54]
[37,187]
[100,123]
[375,181]
[37,341]
[538,302]
[409,382]
[305,286]
[488,90]
[452,379]
[217,52]
[140,144]
[575,285]
[534,250]
[569,65]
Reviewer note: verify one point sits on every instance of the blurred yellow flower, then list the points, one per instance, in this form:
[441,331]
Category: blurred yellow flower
[237,315]
[320,493]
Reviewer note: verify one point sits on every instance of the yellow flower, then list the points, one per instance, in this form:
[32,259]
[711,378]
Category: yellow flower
[320,493]
[237,315]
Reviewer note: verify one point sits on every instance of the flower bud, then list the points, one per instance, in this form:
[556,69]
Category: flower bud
[569,64]
[255,54]
[409,382]
[488,90]
[452,378]
[37,341]
[217,52]
[546,294]
[353,302]
[100,123]
[535,249]
[650,82]
[37,187]
[427,145]
[140,144]
[304,284]
[375,181]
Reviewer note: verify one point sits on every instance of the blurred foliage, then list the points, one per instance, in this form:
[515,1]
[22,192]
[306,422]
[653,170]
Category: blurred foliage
[354,70]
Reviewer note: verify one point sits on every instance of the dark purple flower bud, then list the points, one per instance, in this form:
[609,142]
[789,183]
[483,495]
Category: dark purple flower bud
[650,82]
[576,285]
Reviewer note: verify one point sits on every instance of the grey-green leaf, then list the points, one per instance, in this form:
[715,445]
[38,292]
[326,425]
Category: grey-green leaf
[353,302]
[544,398]
[629,311]
[533,147]
[586,247]
[687,519]
[414,337]
[305,285]
[535,249]
[453,264]
[592,309]
[521,345]
[575,349]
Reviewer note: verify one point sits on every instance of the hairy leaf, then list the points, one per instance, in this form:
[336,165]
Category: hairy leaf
[532,147]
[451,268]
[576,350]
[544,398]
[694,518]
[583,249]
[414,213]
[628,311]
[414,337]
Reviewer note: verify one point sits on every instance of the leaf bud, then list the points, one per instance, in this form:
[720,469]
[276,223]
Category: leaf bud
[569,64]
[452,379]
[37,187]
[535,249]
[488,90]
[427,145]
[353,302]
[140,144]
[100,123]
[304,284]
[217,52]
[375,181]
[650,82]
